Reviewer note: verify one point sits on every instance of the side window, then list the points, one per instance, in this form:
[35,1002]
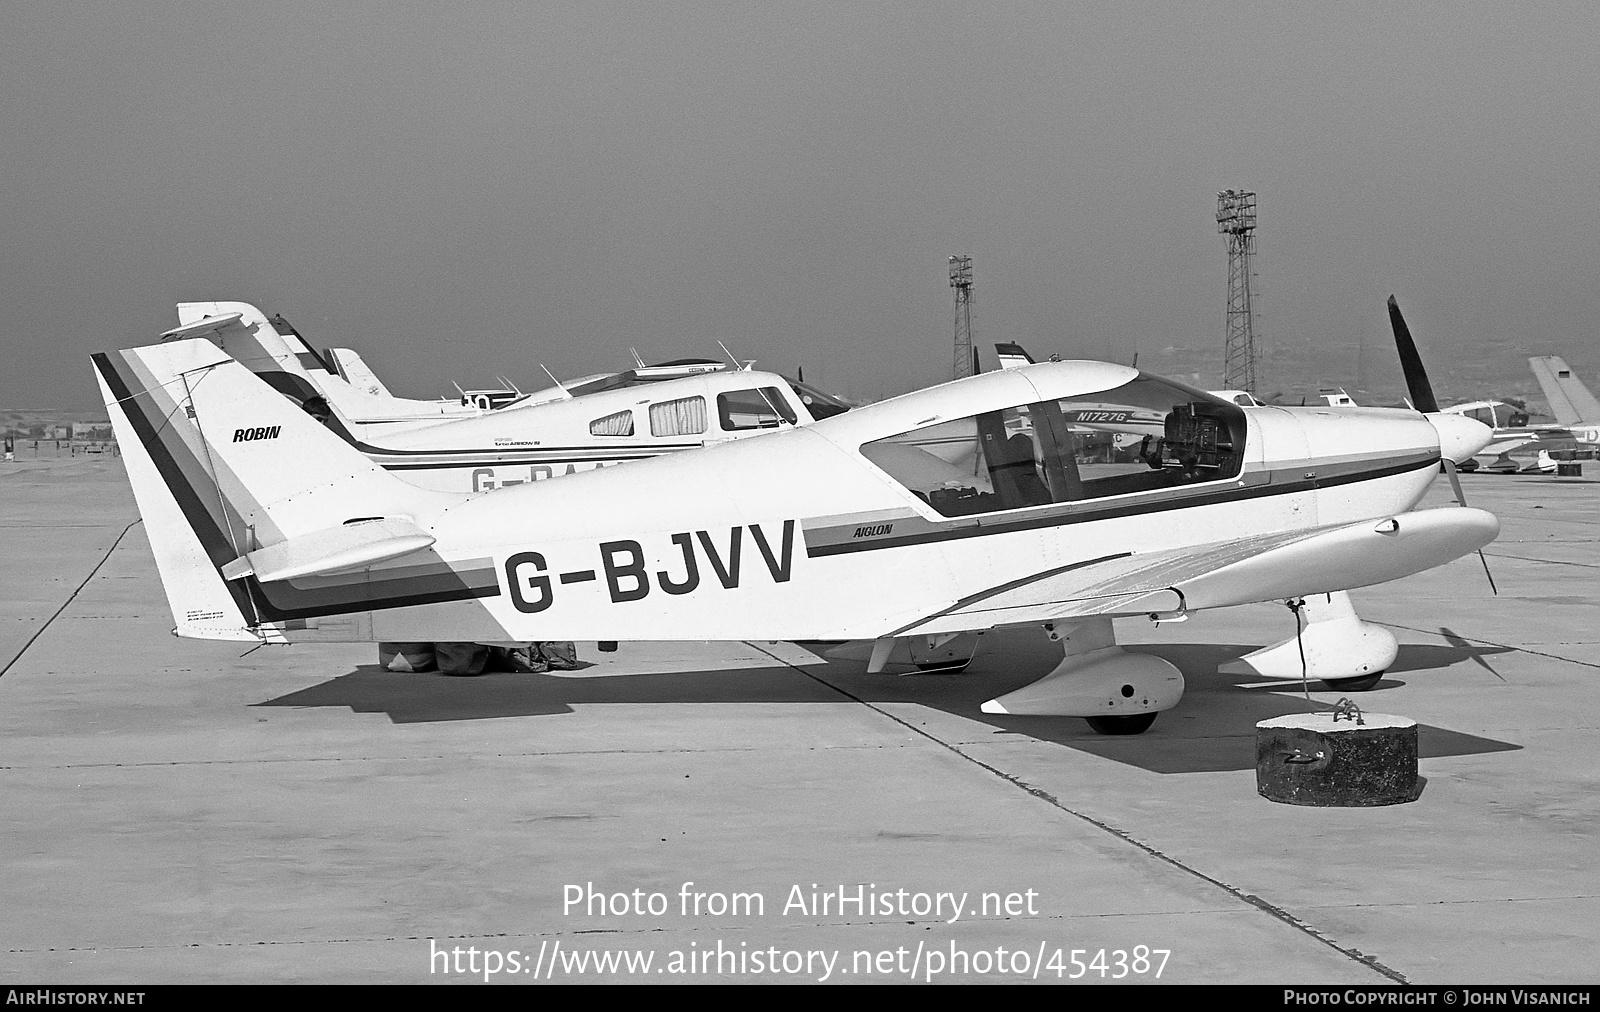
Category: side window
[617,424]
[1147,435]
[765,408]
[685,416]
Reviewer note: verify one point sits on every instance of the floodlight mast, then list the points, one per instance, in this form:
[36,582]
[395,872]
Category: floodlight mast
[961,281]
[1236,219]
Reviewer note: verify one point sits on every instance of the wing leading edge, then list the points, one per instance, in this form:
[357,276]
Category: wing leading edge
[1262,567]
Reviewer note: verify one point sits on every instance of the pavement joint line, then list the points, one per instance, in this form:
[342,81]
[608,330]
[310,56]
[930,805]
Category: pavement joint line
[70,598]
[1492,643]
[1251,899]
[720,929]
[1454,903]
[1550,562]
[56,527]
[435,758]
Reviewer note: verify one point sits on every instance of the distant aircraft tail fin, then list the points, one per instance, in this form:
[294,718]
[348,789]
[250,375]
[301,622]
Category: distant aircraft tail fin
[353,370]
[284,361]
[1570,401]
[1012,356]
[250,339]
[256,513]
[335,385]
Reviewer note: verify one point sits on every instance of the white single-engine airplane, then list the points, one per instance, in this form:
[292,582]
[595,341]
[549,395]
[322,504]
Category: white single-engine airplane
[268,527]
[486,440]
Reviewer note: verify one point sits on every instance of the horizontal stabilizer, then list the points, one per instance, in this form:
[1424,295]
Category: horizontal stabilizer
[351,545]
[200,328]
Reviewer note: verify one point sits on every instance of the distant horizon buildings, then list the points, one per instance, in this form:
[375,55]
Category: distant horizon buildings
[55,424]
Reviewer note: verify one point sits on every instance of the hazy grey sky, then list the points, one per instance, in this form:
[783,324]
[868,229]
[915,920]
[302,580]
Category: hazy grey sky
[460,190]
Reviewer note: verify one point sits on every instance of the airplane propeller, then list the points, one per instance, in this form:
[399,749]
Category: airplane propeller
[1411,363]
[1453,434]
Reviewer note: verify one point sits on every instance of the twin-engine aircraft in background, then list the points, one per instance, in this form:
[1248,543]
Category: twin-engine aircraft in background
[1576,428]
[266,526]
[494,439]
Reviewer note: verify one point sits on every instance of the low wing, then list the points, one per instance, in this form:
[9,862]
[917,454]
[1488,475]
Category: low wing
[1262,567]
[1501,447]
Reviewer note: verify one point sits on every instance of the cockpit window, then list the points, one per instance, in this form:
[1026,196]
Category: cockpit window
[1146,435]
[765,408]
[617,424]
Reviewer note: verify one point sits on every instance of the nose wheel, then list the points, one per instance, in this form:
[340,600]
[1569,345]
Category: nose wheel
[1361,684]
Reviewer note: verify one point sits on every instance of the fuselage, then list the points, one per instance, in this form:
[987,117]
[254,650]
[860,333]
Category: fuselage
[806,534]
[564,437]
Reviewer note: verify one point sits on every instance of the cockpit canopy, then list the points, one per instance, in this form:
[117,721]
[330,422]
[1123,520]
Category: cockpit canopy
[1496,415]
[1144,435]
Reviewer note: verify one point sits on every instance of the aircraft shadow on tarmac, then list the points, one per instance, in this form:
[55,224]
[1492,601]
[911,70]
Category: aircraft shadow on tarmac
[1211,730]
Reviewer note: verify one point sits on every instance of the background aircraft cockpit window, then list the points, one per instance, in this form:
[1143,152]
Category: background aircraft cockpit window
[765,408]
[619,423]
[685,416]
[1147,435]
[821,405]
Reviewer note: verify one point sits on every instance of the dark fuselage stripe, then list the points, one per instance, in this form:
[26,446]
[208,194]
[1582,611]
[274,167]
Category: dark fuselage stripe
[455,465]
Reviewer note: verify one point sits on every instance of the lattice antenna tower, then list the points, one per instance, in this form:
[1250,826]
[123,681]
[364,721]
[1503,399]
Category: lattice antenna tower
[1236,219]
[961,281]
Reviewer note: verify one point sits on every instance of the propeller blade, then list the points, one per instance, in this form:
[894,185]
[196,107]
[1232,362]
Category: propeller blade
[1455,481]
[1411,363]
[1486,572]
[1461,500]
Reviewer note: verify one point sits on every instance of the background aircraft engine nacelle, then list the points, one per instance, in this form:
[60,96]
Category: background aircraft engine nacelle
[1107,682]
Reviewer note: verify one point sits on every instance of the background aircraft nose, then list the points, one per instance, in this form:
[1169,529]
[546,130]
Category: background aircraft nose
[1459,436]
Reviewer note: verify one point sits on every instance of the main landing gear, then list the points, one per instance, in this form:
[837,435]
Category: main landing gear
[1117,692]
[942,654]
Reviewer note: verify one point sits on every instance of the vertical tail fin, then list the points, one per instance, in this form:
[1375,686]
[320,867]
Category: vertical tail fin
[1570,401]
[203,605]
[355,403]
[357,373]
[257,513]
[1012,356]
